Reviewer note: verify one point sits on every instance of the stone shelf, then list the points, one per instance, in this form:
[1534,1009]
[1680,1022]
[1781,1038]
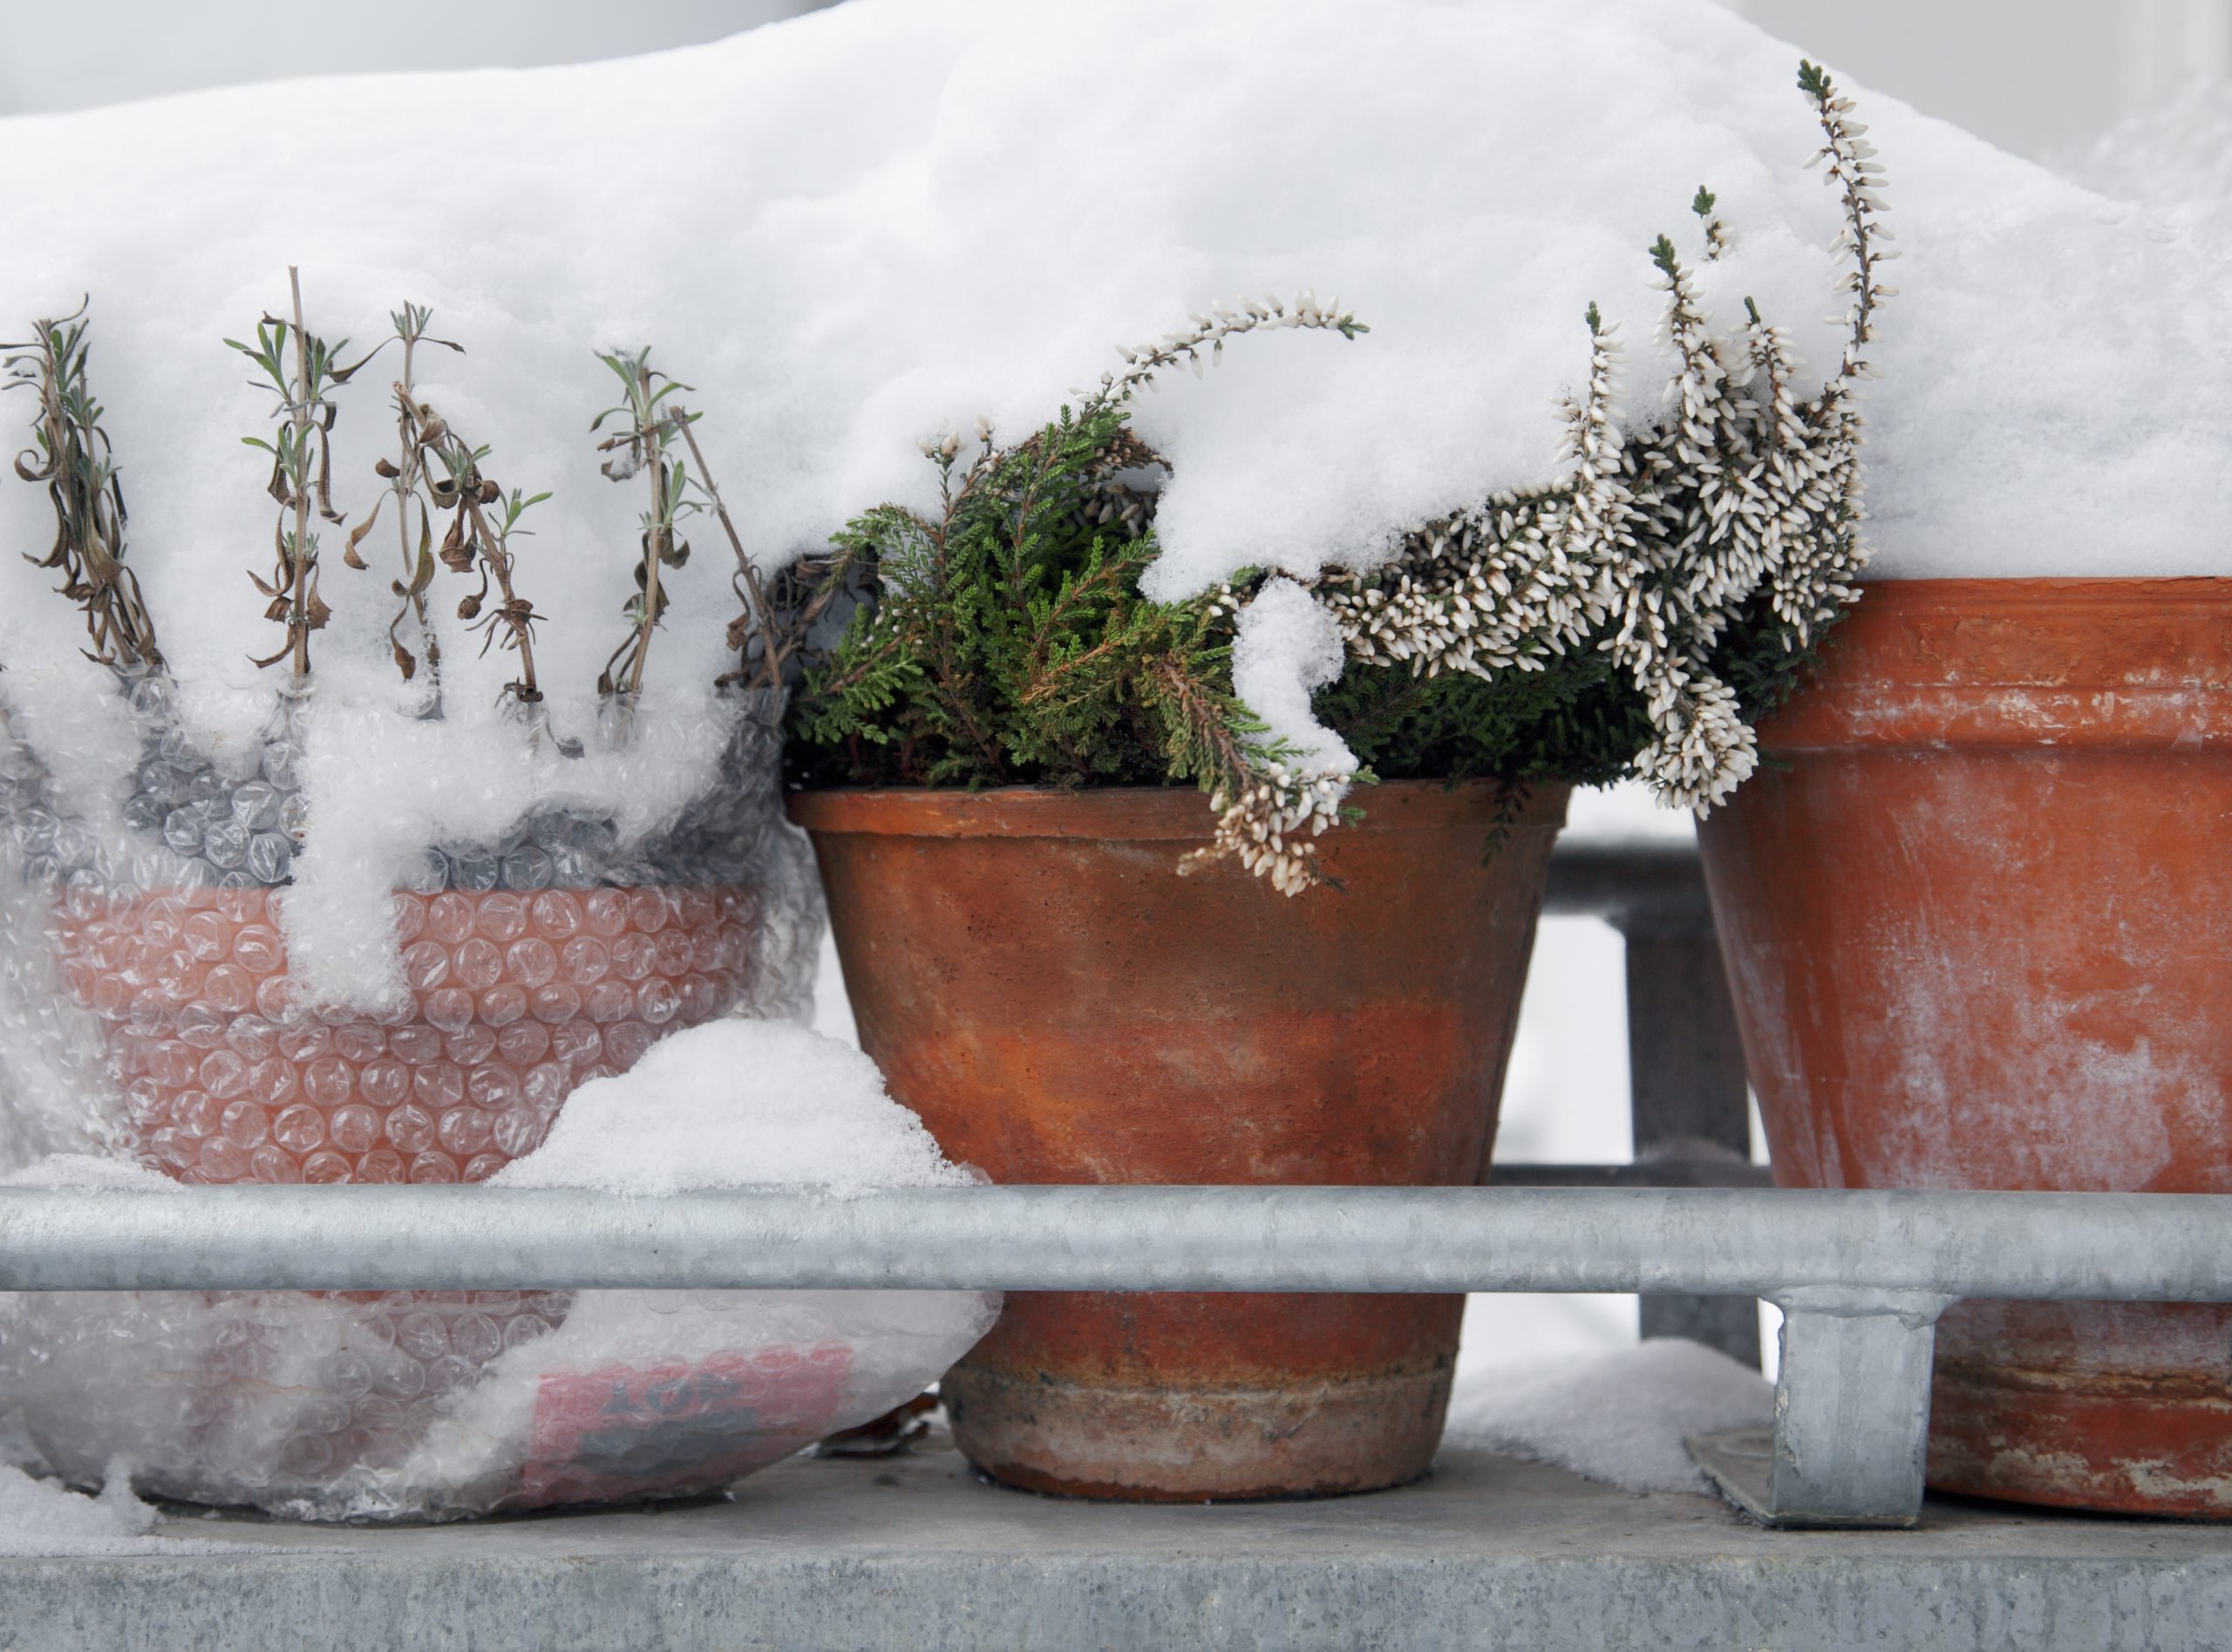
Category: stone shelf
[915,1551]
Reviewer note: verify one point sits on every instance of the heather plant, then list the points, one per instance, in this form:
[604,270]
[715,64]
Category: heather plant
[1632,618]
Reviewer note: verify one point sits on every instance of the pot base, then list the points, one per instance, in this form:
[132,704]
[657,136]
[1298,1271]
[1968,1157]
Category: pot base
[1189,1444]
[2098,1405]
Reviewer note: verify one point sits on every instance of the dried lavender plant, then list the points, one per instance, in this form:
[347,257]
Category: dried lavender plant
[757,622]
[70,453]
[304,370]
[642,449]
[406,476]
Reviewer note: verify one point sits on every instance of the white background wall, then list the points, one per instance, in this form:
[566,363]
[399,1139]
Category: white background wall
[2034,76]
[73,54]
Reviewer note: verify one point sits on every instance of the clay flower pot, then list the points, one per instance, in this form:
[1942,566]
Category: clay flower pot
[1060,1005]
[1978,914]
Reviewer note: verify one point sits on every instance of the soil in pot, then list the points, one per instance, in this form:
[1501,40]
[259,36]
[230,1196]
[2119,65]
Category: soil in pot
[1040,984]
[1978,920]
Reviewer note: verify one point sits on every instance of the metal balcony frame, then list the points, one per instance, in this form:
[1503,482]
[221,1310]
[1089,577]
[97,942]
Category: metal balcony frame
[1687,1096]
[1861,1276]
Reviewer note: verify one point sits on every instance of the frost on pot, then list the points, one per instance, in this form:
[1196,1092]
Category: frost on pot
[1631,619]
[219,975]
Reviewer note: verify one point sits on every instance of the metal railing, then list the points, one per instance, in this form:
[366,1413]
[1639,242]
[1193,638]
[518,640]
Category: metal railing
[1860,1276]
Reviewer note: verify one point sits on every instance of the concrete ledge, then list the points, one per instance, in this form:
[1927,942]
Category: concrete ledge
[914,1552]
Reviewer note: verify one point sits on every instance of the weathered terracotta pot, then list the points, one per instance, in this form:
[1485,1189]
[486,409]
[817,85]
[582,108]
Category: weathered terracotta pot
[1979,927]
[1060,1005]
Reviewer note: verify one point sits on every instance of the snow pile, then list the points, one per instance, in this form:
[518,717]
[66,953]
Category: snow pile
[1620,1418]
[437,1404]
[40,1518]
[854,233]
[737,1103]
[1286,647]
[2178,154]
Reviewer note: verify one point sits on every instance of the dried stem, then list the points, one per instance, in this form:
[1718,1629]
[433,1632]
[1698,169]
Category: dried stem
[299,593]
[71,454]
[776,647]
[643,445]
[306,414]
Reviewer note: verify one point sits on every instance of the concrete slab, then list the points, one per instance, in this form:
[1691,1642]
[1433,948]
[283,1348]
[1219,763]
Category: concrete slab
[914,1551]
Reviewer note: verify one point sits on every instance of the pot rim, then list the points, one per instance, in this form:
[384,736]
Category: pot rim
[2021,663]
[1177,813]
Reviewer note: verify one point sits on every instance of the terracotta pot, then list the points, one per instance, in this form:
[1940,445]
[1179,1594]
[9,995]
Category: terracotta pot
[1060,1005]
[1979,927]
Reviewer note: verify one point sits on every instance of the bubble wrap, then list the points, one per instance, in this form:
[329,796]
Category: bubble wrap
[148,1013]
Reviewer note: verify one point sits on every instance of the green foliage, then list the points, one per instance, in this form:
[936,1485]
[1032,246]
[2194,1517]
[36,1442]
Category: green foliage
[1579,719]
[1005,641]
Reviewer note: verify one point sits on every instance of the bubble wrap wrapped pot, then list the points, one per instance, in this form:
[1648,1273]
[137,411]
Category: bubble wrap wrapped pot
[156,1018]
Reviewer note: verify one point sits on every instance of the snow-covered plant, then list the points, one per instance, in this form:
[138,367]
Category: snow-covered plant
[305,371]
[484,519]
[70,454]
[1632,617]
[641,449]
[1704,553]
[1002,639]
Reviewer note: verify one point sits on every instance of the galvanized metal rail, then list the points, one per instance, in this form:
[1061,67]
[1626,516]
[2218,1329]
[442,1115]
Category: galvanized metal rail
[1860,1276]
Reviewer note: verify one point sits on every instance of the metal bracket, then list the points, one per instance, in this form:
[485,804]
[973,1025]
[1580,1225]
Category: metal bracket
[1852,1414]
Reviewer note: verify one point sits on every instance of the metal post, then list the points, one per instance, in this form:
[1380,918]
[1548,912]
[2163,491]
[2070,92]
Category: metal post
[1852,1414]
[1685,1059]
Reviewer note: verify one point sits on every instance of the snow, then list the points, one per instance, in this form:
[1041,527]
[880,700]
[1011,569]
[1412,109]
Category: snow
[2179,154]
[737,1103]
[85,1173]
[1620,1418]
[1286,647]
[854,232]
[42,1518]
